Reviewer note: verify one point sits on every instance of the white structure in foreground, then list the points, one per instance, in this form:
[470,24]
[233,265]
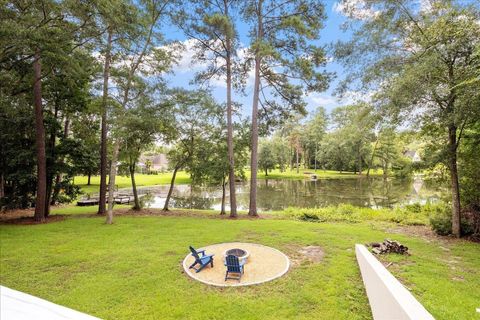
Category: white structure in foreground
[389,299]
[16,305]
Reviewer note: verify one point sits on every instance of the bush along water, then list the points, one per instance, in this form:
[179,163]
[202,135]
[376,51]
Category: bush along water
[441,222]
[437,216]
[408,215]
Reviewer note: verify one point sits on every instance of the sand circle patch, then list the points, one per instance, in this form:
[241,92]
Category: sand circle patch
[263,264]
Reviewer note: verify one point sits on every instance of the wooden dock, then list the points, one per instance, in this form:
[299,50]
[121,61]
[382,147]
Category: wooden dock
[118,199]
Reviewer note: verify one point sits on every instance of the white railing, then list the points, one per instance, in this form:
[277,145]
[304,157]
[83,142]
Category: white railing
[21,306]
[389,299]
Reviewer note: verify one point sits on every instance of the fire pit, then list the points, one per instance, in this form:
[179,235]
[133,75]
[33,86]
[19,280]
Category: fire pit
[241,254]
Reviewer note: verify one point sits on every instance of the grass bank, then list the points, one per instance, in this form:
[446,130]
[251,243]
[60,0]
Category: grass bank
[305,173]
[415,215]
[408,215]
[125,181]
[132,269]
[184,178]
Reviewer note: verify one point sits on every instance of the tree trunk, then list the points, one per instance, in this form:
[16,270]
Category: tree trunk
[292,155]
[103,147]
[89,177]
[231,158]
[172,183]
[50,164]
[297,160]
[136,205]
[2,185]
[315,158]
[222,208]
[256,92]
[111,187]
[306,159]
[452,146]
[39,141]
[373,155]
[58,178]
[359,161]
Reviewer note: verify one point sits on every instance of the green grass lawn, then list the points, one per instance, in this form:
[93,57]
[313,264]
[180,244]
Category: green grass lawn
[321,174]
[125,181]
[132,269]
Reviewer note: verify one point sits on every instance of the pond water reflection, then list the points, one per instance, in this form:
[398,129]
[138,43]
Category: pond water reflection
[280,194]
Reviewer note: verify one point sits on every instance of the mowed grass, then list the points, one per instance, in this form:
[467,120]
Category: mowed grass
[184,178]
[132,269]
[125,181]
[305,173]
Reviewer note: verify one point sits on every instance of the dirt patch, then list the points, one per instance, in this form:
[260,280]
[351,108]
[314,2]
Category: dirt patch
[16,214]
[309,254]
[183,213]
[425,233]
[28,220]
[25,216]
[312,253]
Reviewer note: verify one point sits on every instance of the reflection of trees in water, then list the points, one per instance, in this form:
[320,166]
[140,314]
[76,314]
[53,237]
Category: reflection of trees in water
[146,200]
[193,202]
[279,194]
[387,192]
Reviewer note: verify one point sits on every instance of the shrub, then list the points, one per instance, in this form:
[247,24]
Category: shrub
[305,216]
[441,222]
[415,207]
[410,215]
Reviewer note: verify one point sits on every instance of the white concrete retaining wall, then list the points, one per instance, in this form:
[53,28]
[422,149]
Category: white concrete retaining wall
[16,305]
[389,299]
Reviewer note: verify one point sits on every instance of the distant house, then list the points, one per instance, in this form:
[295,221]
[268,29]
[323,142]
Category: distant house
[412,155]
[157,162]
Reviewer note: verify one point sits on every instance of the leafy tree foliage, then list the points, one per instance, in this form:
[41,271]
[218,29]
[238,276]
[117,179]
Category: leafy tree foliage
[422,63]
[41,45]
[196,117]
[285,64]
[266,156]
[211,26]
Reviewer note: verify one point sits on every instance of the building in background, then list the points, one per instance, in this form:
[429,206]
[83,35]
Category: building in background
[412,155]
[157,162]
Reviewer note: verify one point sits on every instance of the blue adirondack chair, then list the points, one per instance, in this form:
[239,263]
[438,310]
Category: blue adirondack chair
[233,266]
[203,260]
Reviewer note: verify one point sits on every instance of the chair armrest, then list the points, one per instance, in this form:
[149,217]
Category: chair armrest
[201,251]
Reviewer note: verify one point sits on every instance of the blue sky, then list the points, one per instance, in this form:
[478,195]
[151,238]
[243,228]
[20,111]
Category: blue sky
[331,32]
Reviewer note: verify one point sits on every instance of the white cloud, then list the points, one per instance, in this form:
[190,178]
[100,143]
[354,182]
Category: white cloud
[322,99]
[187,63]
[351,97]
[330,102]
[425,6]
[356,9]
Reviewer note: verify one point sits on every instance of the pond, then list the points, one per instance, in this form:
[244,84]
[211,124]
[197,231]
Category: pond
[280,194]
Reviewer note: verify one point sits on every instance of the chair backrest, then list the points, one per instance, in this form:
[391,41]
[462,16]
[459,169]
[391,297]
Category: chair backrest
[232,263]
[194,253]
